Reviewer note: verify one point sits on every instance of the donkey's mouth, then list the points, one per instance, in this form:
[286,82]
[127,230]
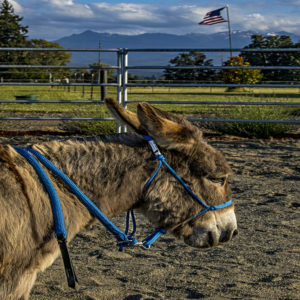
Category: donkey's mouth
[205,239]
[228,235]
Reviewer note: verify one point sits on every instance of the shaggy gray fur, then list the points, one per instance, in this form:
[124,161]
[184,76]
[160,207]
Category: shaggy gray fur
[112,171]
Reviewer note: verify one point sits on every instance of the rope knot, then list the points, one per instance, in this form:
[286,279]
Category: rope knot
[125,243]
[159,157]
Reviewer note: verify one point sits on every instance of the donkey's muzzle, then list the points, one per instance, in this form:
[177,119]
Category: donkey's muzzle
[202,238]
[215,238]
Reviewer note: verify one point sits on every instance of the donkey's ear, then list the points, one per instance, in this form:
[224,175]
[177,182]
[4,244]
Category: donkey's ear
[123,115]
[167,133]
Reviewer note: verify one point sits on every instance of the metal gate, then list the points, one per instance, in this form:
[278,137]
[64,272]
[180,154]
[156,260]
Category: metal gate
[122,85]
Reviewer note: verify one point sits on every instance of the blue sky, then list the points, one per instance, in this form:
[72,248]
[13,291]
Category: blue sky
[52,19]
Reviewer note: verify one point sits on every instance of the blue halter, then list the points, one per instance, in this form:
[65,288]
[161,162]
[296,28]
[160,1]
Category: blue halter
[162,161]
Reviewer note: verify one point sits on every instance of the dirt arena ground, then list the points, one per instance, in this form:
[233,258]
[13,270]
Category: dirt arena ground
[262,262]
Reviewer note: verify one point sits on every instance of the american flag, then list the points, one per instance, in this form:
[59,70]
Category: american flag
[213,17]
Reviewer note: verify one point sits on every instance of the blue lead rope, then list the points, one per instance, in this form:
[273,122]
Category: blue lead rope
[59,224]
[123,238]
[93,209]
[148,241]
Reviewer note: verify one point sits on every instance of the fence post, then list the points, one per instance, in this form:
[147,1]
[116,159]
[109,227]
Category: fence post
[119,83]
[103,80]
[125,78]
[124,82]
[92,92]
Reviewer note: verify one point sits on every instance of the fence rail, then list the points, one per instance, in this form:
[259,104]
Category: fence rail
[59,50]
[57,67]
[211,50]
[214,85]
[122,84]
[214,67]
[58,84]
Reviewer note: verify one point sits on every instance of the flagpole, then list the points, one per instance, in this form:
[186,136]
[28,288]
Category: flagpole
[229,29]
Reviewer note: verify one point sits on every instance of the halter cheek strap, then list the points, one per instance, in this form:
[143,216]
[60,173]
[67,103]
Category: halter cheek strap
[162,161]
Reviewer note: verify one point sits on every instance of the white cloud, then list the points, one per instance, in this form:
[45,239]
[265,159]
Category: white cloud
[58,3]
[273,23]
[17,7]
[178,17]
[62,3]
[146,14]
[67,8]
[256,21]
[126,11]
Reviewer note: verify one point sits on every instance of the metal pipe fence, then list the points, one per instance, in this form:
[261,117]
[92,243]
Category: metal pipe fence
[123,85]
[127,85]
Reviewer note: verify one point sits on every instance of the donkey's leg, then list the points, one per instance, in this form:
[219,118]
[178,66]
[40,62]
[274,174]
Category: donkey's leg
[22,286]
[25,281]
[25,285]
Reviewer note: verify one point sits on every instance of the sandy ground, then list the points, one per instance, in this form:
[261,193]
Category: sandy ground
[262,262]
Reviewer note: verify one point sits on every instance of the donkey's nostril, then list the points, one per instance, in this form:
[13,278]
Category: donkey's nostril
[212,239]
[227,235]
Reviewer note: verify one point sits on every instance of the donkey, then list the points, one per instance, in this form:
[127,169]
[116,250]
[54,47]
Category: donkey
[112,170]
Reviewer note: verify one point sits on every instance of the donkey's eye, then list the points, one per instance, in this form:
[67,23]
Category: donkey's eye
[219,181]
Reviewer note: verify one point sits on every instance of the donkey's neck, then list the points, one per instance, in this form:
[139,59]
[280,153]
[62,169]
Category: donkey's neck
[111,171]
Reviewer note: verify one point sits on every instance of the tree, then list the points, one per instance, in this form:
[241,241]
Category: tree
[12,33]
[246,76]
[52,58]
[274,58]
[192,58]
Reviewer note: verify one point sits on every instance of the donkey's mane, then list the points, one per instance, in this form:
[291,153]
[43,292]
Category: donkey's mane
[127,139]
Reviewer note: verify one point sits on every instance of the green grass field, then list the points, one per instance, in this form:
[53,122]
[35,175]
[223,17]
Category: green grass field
[261,112]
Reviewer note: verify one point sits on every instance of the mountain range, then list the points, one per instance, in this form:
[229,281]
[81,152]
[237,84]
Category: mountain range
[92,40]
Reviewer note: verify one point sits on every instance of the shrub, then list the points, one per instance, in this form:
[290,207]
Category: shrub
[90,127]
[240,76]
[257,129]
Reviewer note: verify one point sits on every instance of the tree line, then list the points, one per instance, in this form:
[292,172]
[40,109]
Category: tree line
[250,76]
[14,35]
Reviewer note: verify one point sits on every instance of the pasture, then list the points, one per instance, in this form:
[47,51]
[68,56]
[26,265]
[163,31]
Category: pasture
[210,94]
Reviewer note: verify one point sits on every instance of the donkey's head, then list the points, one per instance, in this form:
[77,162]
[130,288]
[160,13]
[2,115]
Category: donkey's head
[166,203]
